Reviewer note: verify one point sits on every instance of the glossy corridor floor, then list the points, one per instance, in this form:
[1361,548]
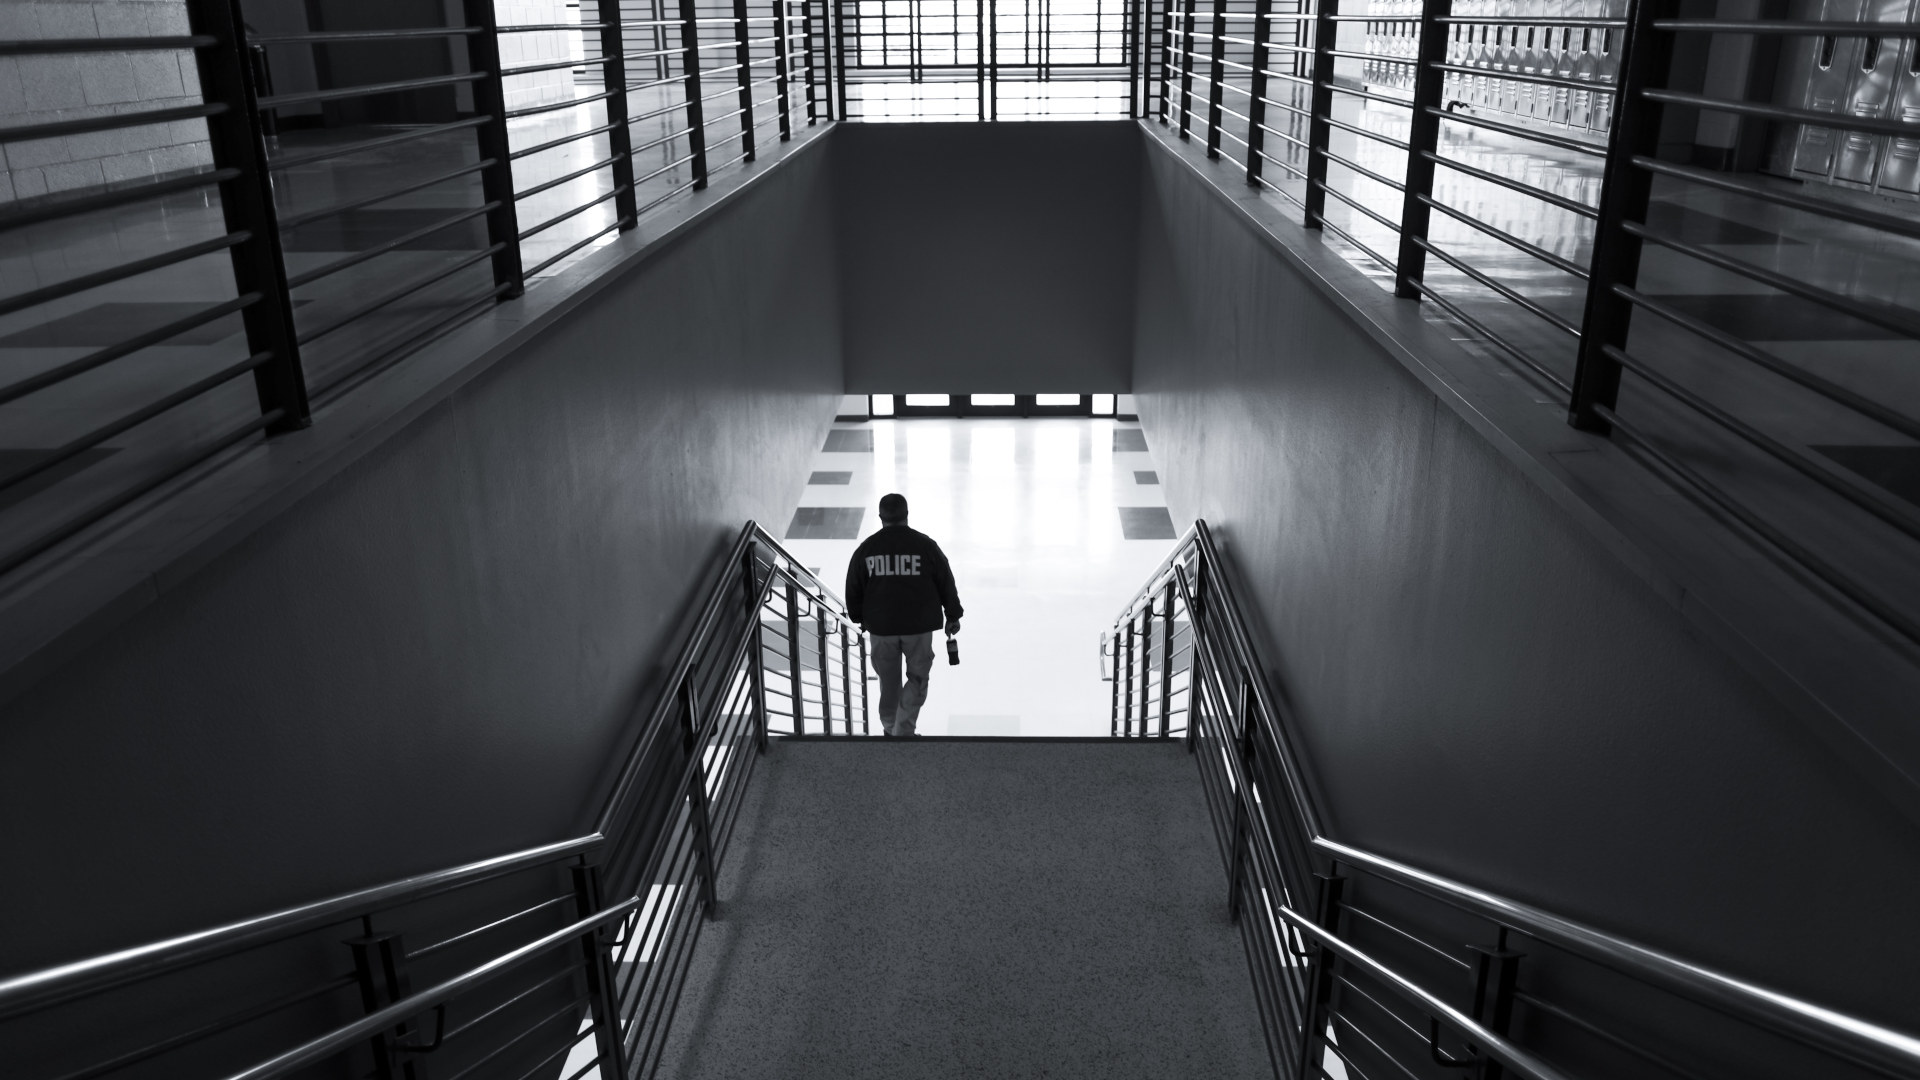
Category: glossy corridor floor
[893,909]
[1051,526]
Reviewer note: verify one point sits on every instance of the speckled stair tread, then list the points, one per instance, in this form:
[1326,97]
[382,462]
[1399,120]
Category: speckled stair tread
[901,909]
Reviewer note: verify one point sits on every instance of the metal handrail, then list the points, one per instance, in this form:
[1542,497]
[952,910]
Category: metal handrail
[36,990]
[1214,612]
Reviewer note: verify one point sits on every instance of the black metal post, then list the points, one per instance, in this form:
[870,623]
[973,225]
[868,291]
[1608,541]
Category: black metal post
[1242,804]
[496,180]
[1321,109]
[757,664]
[1257,104]
[602,995]
[1136,19]
[864,728]
[846,679]
[838,61]
[743,58]
[246,203]
[826,683]
[1496,979]
[1216,78]
[1126,695]
[1146,666]
[1187,15]
[379,969]
[697,797]
[806,35]
[1645,54]
[690,65]
[980,53]
[613,64]
[1112,658]
[781,21]
[793,660]
[1166,63]
[1166,664]
[1320,982]
[1423,137]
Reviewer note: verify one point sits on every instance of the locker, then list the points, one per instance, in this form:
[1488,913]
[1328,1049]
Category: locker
[1869,93]
[1900,173]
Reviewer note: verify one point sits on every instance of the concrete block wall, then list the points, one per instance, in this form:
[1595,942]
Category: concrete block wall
[43,89]
[523,91]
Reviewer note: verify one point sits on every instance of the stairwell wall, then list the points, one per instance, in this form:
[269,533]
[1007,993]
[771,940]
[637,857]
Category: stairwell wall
[441,653]
[1481,687]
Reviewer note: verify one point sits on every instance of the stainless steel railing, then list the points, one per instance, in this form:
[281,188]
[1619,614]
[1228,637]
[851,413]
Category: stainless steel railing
[561,958]
[1366,966]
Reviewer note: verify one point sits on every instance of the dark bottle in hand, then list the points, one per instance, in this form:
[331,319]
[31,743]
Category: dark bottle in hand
[953,651]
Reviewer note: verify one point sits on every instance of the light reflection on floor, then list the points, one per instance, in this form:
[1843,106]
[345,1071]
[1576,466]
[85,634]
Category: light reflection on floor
[1028,513]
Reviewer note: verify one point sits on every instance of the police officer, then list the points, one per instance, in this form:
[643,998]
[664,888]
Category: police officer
[897,585]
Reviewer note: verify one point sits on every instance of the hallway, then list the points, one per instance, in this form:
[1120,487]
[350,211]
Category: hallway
[981,909]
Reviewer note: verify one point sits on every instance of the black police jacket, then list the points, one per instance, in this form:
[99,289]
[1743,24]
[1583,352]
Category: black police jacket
[899,581]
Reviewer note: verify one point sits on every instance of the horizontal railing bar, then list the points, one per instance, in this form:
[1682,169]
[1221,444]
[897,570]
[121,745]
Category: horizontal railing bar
[1355,204]
[1511,184]
[88,125]
[1837,28]
[213,1027]
[555,106]
[1364,171]
[1503,289]
[680,189]
[342,1037]
[358,257]
[37,989]
[21,216]
[391,294]
[1594,87]
[1868,498]
[534,28]
[1492,337]
[468,935]
[58,289]
[1841,395]
[28,385]
[1531,20]
[574,175]
[133,419]
[1870,125]
[323,36]
[561,141]
[577,245]
[45,46]
[581,209]
[307,97]
[1516,131]
[295,221]
[1361,247]
[396,344]
[1855,215]
[1900,321]
[667,138]
[1538,252]
[296,160]
[1397,144]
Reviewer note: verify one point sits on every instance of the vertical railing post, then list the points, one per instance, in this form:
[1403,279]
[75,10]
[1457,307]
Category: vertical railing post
[743,58]
[380,970]
[806,36]
[1325,35]
[696,114]
[826,682]
[1167,39]
[1320,981]
[246,203]
[1136,20]
[864,728]
[1243,801]
[1257,83]
[1645,53]
[1110,660]
[613,63]
[1146,665]
[1126,694]
[793,660]
[1423,139]
[1187,16]
[496,180]
[1216,78]
[1496,980]
[697,797]
[1166,664]
[837,62]
[757,662]
[601,992]
[846,679]
[781,22]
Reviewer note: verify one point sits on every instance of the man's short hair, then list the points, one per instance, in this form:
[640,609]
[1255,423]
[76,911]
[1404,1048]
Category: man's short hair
[893,509]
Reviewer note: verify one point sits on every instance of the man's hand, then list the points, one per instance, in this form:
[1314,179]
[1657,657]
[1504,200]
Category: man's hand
[953,627]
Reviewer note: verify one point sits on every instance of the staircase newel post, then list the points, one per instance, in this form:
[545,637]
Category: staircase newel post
[1320,981]
[757,661]
[793,659]
[609,1046]
[697,797]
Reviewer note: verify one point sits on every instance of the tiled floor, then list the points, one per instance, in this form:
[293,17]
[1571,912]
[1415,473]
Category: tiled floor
[1050,529]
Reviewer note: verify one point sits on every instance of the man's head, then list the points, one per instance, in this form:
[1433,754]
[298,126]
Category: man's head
[893,509]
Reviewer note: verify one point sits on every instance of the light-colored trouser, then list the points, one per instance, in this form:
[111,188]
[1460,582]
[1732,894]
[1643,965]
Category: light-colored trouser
[900,707]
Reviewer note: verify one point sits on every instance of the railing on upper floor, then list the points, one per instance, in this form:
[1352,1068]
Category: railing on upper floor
[1364,966]
[552,961]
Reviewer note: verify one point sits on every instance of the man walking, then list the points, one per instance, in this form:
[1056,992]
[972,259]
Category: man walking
[897,585]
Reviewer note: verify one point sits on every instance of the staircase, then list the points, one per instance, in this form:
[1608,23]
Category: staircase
[932,908]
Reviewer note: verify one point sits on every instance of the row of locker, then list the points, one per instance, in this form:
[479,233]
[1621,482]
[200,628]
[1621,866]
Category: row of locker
[1873,77]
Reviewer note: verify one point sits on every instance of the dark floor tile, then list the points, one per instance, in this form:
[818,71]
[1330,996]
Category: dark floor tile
[1776,318]
[830,478]
[358,230]
[826,523]
[11,460]
[841,441]
[1694,227]
[1146,476]
[1146,523]
[110,324]
[1129,440]
[1896,468]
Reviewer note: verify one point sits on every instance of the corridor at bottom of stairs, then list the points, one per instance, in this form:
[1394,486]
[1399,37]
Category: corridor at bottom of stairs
[928,908]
